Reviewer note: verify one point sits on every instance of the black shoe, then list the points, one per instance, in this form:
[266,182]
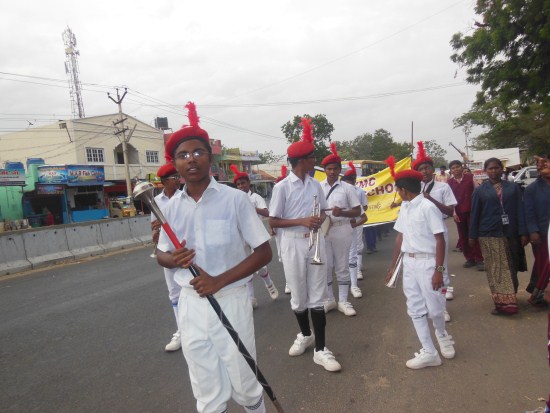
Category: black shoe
[480,266]
[469,264]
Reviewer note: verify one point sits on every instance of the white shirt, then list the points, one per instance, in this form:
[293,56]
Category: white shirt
[220,227]
[442,193]
[418,221]
[343,196]
[363,199]
[293,199]
[257,202]
[162,200]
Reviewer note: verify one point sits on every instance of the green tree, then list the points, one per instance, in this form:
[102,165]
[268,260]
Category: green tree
[436,152]
[270,157]
[322,130]
[374,146]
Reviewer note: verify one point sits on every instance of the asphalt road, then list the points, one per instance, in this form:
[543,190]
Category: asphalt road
[89,337]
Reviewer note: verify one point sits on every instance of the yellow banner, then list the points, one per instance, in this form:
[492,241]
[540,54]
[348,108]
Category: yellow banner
[380,191]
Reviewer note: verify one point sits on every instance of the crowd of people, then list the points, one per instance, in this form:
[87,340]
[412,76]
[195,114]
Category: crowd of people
[319,238]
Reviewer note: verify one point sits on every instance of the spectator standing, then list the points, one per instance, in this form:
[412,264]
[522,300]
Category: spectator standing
[442,176]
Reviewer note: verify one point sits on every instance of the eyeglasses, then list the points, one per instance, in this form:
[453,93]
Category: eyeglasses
[196,154]
[174,177]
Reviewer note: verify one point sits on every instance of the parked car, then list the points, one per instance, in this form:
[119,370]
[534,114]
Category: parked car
[121,208]
[526,175]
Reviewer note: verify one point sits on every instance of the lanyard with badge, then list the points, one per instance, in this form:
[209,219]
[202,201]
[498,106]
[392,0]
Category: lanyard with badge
[499,190]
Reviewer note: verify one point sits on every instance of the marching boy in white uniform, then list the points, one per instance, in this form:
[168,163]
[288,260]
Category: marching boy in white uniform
[344,204]
[291,214]
[242,182]
[220,226]
[170,179]
[422,243]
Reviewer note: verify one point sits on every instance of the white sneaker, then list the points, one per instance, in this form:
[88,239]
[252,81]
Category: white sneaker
[287,289]
[446,346]
[254,302]
[356,292]
[359,274]
[273,292]
[175,343]
[447,316]
[301,344]
[346,308]
[449,294]
[424,359]
[330,305]
[326,359]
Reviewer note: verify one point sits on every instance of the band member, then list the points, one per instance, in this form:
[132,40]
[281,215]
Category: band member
[242,181]
[421,240]
[277,234]
[291,213]
[344,204]
[170,179]
[218,226]
[441,195]
[356,250]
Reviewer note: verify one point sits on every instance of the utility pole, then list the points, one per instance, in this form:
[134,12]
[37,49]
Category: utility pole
[124,139]
[412,139]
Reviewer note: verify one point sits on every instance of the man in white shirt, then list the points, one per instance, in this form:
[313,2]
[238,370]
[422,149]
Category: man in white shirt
[242,182]
[218,226]
[291,214]
[170,179]
[344,204]
[421,241]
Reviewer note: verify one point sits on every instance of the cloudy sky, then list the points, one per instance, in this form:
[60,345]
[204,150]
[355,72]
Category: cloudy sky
[250,66]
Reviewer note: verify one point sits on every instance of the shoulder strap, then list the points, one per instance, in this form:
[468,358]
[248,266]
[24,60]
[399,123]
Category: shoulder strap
[332,189]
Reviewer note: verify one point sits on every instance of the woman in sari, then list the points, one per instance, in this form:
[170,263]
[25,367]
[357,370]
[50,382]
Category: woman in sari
[498,222]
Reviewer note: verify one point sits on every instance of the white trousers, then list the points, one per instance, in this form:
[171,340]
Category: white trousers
[173,291]
[338,244]
[217,369]
[356,249]
[422,300]
[308,283]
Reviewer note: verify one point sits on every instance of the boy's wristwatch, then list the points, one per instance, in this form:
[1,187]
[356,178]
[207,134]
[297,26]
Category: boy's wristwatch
[440,268]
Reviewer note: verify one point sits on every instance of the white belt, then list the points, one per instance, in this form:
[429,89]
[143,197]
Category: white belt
[340,223]
[419,255]
[296,234]
[191,291]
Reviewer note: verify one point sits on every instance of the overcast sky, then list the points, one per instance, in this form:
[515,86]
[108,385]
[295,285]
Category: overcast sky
[234,58]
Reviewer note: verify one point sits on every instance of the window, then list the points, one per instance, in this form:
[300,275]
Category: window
[95,155]
[152,156]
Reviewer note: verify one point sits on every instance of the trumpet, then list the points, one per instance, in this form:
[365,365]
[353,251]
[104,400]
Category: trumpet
[316,260]
[154,253]
[392,282]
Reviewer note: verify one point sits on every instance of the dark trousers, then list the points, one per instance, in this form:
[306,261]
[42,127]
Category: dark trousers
[369,233]
[463,227]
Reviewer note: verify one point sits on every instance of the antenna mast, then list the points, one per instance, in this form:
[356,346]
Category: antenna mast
[71,69]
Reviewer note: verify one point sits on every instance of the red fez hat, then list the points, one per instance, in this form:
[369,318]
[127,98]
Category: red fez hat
[351,171]
[193,130]
[304,146]
[238,174]
[408,174]
[283,174]
[421,157]
[166,170]
[333,157]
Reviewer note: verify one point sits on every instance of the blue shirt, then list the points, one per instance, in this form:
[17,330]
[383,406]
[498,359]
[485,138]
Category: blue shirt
[536,199]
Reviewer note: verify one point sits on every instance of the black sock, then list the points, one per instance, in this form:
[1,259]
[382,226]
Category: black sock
[303,322]
[319,321]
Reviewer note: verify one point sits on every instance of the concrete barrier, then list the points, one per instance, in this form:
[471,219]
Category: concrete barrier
[140,228]
[84,239]
[47,246]
[115,234]
[12,254]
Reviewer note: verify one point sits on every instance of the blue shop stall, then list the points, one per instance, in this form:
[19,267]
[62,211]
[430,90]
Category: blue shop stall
[75,191]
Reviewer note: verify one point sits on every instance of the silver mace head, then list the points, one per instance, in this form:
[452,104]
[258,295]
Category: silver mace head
[144,191]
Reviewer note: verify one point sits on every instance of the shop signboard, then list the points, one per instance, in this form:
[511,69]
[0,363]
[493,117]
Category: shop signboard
[12,177]
[49,189]
[71,175]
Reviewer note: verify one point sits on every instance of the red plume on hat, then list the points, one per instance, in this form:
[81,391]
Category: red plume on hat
[304,146]
[193,130]
[284,170]
[421,157]
[333,157]
[391,164]
[351,171]
[238,174]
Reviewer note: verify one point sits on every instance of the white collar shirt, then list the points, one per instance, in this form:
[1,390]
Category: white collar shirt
[162,200]
[222,227]
[257,201]
[418,221]
[441,192]
[293,198]
[362,196]
[342,196]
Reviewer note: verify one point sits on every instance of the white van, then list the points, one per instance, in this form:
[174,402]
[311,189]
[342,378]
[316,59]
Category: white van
[526,175]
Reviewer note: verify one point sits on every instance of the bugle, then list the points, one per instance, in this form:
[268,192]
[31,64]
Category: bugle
[392,282]
[316,260]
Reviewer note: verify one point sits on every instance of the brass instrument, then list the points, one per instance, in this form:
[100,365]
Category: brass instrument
[316,260]
[392,282]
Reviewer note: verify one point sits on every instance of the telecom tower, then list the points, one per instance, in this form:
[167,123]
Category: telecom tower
[71,68]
